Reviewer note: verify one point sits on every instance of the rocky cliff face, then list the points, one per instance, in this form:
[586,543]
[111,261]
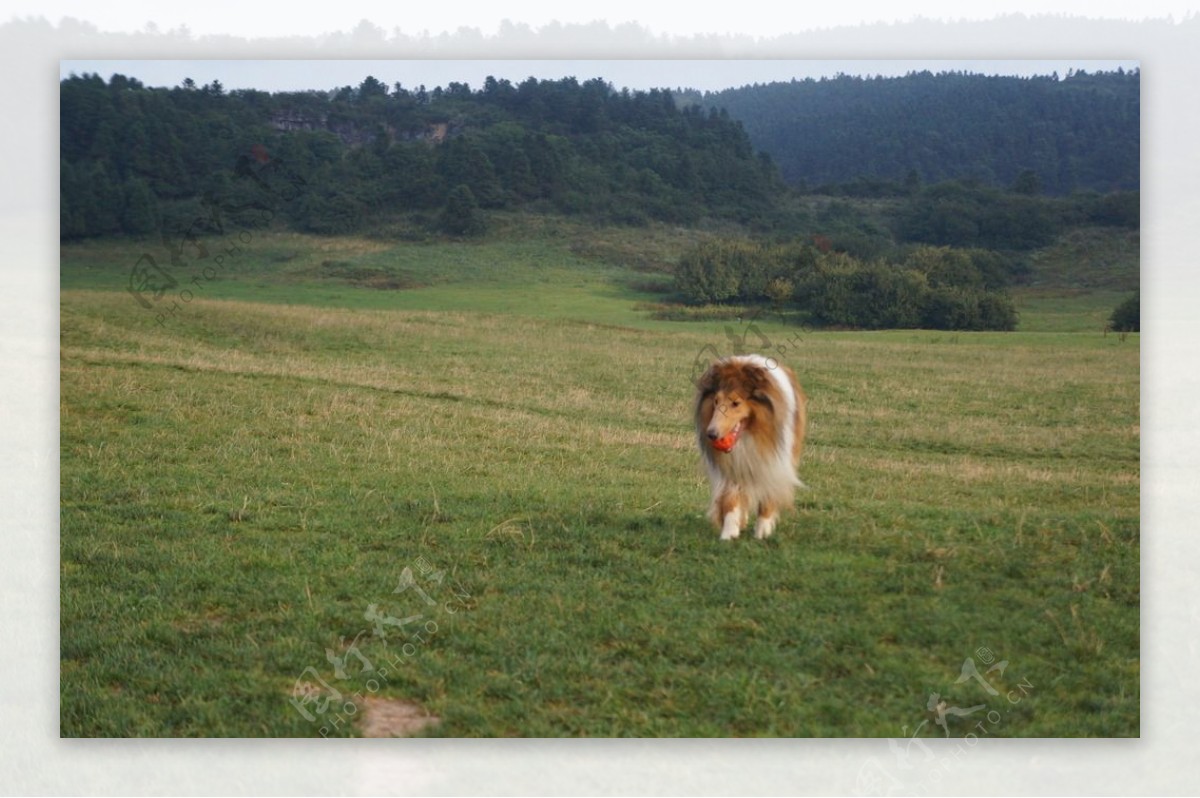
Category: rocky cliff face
[354,135]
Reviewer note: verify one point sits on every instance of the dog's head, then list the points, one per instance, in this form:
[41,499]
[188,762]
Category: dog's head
[729,398]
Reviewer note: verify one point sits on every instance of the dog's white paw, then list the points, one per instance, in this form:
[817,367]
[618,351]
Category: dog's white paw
[732,527]
[764,527]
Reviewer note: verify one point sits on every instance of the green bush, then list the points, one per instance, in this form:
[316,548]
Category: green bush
[934,287]
[1127,317]
[945,267]
[715,270]
[872,296]
[953,308]
[950,309]
[335,213]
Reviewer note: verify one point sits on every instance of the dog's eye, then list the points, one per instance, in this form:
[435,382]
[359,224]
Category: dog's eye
[736,403]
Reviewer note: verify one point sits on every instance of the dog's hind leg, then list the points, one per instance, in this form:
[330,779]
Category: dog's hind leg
[768,514]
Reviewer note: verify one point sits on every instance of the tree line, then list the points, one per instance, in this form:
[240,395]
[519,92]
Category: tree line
[1079,132]
[965,214]
[136,158]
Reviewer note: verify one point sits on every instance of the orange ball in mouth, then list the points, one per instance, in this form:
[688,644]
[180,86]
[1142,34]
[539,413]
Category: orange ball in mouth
[726,443]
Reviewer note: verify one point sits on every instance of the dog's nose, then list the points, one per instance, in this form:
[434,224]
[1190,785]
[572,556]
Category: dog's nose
[712,436]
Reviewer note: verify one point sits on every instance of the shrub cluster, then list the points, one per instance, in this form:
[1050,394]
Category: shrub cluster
[1127,317]
[932,287]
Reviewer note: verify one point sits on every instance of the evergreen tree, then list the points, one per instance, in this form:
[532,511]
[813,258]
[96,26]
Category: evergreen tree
[140,208]
[102,202]
[464,163]
[461,216]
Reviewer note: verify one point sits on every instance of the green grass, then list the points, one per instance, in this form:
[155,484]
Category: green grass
[1090,258]
[242,482]
[1066,309]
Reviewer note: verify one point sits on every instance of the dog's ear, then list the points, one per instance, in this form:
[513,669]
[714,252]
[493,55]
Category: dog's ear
[706,387]
[758,381]
[756,378]
[707,382]
[699,368]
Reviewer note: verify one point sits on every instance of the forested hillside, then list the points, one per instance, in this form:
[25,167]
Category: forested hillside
[136,159]
[867,249]
[1077,133]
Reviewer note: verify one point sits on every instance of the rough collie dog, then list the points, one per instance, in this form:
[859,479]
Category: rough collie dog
[750,421]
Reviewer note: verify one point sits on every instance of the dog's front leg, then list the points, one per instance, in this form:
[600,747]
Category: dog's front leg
[768,514]
[731,511]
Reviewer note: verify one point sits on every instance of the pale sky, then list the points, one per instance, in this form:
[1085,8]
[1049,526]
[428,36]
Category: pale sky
[749,17]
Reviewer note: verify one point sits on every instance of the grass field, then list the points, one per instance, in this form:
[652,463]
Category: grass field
[471,467]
